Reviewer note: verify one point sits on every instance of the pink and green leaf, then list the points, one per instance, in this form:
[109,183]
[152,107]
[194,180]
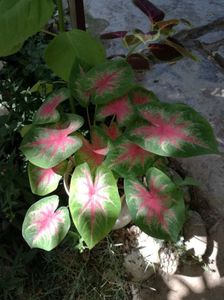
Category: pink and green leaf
[121,108]
[94,203]
[150,10]
[46,147]
[174,130]
[45,181]
[112,132]
[157,206]
[139,95]
[93,152]
[128,159]
[104,83]
[48,113]
[44,225]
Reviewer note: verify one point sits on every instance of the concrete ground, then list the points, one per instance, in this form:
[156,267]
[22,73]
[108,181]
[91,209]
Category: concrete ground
[201,85]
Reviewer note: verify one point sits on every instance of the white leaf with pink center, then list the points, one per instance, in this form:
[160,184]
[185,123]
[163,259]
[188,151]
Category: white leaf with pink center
[44,225]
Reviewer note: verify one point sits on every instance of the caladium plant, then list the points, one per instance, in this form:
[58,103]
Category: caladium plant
[108,138]
[118,150]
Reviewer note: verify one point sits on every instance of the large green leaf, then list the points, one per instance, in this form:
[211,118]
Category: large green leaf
[44,225]
[157,207]
[174,130]
[94,203]
[20,19]
[65,48]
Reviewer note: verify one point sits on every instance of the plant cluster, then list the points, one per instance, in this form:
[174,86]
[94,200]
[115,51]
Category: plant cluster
[113,141]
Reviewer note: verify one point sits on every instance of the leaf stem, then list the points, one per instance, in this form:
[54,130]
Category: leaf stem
[72,106]
[88,117]
[48,32]
[61,21]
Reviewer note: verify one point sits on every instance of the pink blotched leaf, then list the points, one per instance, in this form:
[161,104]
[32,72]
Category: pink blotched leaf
[47,147]
[128,159]
[104,83]
[139,95]
[121,108]
[47,113]
[157,206]
[94,203]
[44,225]
[45,181]
[93,152]
[112,132]
[174,130]
[150,10]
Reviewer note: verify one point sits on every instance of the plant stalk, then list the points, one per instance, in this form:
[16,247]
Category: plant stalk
[61,20]
[88,117]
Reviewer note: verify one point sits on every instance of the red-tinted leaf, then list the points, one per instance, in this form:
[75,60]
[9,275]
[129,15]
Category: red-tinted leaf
[157,208]
[104,83]
[121,108]
[47,147]
[94,203]
[93,153]
[164,52]
[150,10]
[45,227]
[172,42]
[138,61]
[128,159]
[113,35]
[174,130]
[47,113]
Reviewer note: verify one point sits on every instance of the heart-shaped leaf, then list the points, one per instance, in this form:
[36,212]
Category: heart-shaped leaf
[104,83]
[93,153]
[150,10]
[69,46]
[174,130]
[120,107]
[20,19]
[44,225]
[157,207]
[112,132]
[94,203]
[45,181]
[47,113]
[128,159]
[139,95]
[47,147]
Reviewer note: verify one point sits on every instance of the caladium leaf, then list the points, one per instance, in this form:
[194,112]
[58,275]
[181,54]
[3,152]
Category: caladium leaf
[128,159]
[120,107]
[112,132]
[113,35]
[93,153]
[104,83]
[47,147]
[47,113]
[139,95]
[157,207]
[44,225]
[174,130]
[94,203]
[45,181]
[150,10]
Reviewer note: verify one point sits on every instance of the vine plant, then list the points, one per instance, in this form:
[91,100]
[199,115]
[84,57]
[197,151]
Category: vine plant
[113,141]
